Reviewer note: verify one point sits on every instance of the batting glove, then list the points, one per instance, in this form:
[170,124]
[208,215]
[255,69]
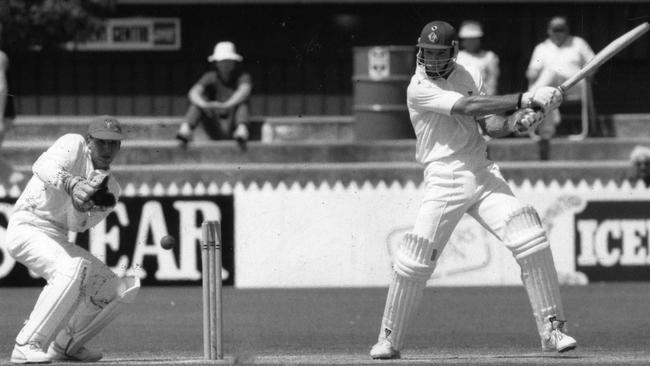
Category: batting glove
[525,120]
[546,97]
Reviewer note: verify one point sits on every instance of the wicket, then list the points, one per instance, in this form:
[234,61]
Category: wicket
[211,279]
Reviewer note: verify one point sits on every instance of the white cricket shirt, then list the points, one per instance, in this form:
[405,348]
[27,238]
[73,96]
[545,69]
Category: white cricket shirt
[439,134]
[44,203]
[487,62]
[565,60]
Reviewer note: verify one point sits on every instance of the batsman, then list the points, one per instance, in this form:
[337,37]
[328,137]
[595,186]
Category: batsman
[447,103]
[71,190]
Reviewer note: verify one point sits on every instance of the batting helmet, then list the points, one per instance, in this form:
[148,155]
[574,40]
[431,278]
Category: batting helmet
[437,35]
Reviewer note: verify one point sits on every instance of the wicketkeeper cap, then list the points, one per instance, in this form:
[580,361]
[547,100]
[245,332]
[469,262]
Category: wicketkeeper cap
[438,35]
[105,128]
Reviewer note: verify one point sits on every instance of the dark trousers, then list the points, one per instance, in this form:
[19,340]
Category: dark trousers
[218,126]
[10,108]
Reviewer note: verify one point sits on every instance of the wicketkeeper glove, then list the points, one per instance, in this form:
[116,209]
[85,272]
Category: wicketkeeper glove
[102,198]
[88,194]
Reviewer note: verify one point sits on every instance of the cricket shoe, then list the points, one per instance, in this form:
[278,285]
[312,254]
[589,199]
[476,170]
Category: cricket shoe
[241,135]
[29,353]
[184,135]
[384,350]
[554,338]
[83,354]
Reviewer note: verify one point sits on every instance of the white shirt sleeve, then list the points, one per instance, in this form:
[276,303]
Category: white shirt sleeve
[536,62]
[477,80]
[492,74]
[429,97]
[57,163]
[585,51]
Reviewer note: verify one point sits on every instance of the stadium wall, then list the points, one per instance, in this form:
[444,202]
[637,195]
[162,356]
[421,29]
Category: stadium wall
[300,55]
[321,234]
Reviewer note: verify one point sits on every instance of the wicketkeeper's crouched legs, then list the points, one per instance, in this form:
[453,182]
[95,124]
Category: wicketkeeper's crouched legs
[101,305]
[414,262]
[525,237]
[54,307]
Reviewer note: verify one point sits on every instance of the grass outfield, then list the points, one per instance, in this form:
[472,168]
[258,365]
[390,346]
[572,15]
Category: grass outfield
[482,326]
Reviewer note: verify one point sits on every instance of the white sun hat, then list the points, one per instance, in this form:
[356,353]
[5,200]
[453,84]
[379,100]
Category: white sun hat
[224,51]
[470,29]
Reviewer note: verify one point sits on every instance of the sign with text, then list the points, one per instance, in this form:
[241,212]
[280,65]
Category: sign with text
[322,234]
[135,34]
[128,241]
[611,240]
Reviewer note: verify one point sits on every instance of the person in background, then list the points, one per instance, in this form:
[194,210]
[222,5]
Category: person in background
[220,99]
[553,61]
[473,55]
[640,159]
[7,116]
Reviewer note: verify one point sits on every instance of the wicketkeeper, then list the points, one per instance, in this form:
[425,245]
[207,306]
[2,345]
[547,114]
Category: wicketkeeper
[71,190]
[446,103]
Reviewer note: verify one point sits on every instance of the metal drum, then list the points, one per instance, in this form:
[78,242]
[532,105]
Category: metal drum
[380,77]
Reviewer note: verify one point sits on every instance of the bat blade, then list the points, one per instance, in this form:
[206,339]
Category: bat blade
[605,54]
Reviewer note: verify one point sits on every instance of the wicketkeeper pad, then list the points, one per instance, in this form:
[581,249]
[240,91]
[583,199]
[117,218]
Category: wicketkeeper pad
[90,320]
[56,303]
[413,265]
[525,237]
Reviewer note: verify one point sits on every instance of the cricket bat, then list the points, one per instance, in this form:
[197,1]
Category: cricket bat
[605,54]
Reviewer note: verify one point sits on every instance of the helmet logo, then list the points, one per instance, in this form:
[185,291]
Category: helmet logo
[433,37]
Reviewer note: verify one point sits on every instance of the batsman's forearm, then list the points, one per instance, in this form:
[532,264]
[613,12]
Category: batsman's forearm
[495,126]
[484,105]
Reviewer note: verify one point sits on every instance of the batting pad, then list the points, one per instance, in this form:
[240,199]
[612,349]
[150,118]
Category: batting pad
[56,303]
[87,324]
[526,237]
[413,265]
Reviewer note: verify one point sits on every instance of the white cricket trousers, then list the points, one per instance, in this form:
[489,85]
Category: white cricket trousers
[43,251]
[454,188]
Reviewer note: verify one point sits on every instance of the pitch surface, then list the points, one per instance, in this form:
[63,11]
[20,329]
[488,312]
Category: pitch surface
[454,326]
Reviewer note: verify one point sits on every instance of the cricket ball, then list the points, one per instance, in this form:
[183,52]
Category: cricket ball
[167,242]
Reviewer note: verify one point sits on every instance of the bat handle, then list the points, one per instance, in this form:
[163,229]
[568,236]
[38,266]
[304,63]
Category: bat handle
[561,89]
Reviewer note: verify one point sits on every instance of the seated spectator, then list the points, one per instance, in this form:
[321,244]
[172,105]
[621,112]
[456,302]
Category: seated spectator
[553,61]
[472,54]
[219,100]
[640,158]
